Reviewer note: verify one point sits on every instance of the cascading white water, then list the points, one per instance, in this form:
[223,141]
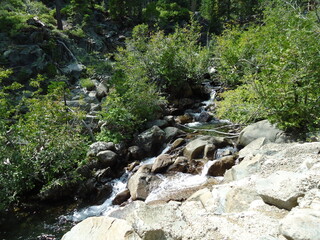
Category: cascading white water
[118,185]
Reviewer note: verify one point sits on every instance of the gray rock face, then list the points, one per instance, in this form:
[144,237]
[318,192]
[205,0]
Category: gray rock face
[195,148]
[141,183]
[121,197]
[172,133]
[303,223]
[151,140]
[261,129]
[281,189]
[135,152]
[179,165]
[102,228]
[219,167]
[161,163]
[107,159]
[97,147]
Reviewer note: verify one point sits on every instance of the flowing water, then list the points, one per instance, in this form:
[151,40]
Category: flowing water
[56,221]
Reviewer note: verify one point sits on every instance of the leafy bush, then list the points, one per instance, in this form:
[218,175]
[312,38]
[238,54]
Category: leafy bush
[40,146]
[279,61]
[87,83]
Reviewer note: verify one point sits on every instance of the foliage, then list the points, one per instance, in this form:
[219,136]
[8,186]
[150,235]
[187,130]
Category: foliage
[163,14]
[222,12]
[87,83]
[167,60]
[39,146]
[15,13]
[279,61]
[240,105]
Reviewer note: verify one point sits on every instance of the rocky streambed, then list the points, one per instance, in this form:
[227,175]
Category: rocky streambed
[271,193]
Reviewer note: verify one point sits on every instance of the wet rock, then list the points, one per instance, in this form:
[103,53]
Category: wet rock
[107,159]
[219,167]
[204,117]
[136,152]
[172,133]
[209,151]
[161,163]
[131,167]
[141,183]
[121,197]
[262,129]
[195,148]
[179,165]
[161,123]
[102,228]
[103,175]
[151,140]
[183,119]
[177,143]
[281,189]
[169,119]
[103,193]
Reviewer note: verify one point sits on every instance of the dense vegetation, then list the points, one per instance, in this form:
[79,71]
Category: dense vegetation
[266,54]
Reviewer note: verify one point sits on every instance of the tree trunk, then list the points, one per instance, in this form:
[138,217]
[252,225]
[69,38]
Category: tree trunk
[58,15]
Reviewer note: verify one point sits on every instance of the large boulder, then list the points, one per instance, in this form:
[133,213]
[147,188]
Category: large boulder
[219,167]
[172,133]
[97,147]
[142,183]
[281,189]
[161,163]
[102,228]
[261,129]
[195,148]
[151,140]
[107,159]
[303,222]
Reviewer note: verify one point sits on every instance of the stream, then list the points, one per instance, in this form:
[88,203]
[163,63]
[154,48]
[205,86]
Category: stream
[50,223]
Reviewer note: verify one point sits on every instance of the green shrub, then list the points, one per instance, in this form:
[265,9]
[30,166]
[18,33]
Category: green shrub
[279,61]
[40,146]
[87,83]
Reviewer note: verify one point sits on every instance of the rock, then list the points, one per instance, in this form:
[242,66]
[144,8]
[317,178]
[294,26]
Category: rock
[209,151]
[172,133]
[161,163]
[136,152]
[303,223]
[261,129]
[177,143]
[103,175]
[219,167]
[281,189]
[169,119]
[151,140]
[121,197]
[141,183]
[107,159]
[184,103]
[102,228]
[102,91]
[195,148]
[246,168]
[103,193]
[183,119]
[179,165]
[253,147]
[204,117]
[97,147]
[159,122]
